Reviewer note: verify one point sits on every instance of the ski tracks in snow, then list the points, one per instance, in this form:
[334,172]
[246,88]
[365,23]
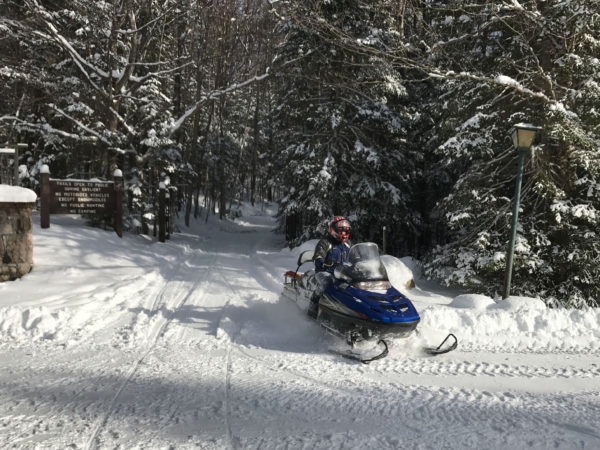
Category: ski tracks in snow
[530,366]
[333,399]
[172,296]
[228,330]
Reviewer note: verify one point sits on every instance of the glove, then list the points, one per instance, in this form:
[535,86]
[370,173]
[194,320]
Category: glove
[333,258]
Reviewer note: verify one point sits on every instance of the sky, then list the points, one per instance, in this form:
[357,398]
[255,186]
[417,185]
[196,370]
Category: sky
[130,343]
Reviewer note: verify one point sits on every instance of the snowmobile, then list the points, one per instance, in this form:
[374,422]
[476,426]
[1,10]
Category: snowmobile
[359,304]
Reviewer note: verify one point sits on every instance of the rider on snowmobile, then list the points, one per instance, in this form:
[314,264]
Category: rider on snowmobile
[331,251]
[334,248]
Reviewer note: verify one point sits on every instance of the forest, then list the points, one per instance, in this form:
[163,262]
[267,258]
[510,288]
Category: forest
[393,113]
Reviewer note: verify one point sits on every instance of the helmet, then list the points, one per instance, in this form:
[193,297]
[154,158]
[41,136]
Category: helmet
[339,228]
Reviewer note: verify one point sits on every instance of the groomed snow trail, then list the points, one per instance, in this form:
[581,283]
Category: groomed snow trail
[115,343]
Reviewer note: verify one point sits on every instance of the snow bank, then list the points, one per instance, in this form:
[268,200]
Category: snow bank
[472,301]
[515,324]
[16,194]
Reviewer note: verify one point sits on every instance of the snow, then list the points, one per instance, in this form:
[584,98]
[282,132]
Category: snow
[371,154]
[472,301]
[503,79]
[16,194]
[131,343]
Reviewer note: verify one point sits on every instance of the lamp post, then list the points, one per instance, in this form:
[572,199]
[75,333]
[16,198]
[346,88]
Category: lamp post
[522,136]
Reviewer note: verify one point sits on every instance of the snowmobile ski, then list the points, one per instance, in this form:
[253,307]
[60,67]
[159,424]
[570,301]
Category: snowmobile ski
[349,354]
[353,338]
[440,349]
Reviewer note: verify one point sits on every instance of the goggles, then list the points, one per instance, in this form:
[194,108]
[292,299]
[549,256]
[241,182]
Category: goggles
[342,225]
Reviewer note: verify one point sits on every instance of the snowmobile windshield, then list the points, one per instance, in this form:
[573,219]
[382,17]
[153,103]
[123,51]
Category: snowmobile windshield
[365,263]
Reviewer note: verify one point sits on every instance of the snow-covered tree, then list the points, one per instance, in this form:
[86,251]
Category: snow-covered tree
[343,119]
[500,64]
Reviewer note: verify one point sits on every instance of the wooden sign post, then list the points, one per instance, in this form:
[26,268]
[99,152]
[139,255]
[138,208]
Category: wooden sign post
[81,197]
[161,211]
[45,196]
[118,211]
[9,166]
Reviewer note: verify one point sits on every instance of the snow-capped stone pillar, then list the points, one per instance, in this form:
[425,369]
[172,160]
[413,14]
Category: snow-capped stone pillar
[162,187]
[118,183]
[16,241]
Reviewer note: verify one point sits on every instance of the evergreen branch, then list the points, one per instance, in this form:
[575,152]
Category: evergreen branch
[80,125]
[47,128]
[498,81]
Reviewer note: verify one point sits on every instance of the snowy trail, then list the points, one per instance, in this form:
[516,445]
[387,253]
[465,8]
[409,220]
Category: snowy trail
[189,344]
[170,299]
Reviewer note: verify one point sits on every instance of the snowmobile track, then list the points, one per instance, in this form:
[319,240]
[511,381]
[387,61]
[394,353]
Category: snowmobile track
[438,367]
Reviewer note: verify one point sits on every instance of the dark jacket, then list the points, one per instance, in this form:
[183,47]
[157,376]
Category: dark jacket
[329,253]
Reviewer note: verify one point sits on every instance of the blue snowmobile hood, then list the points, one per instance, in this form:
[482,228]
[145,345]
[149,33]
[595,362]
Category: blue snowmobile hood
[390,306]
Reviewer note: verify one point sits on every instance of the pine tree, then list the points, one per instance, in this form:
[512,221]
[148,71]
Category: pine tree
[518,63]
[343,119]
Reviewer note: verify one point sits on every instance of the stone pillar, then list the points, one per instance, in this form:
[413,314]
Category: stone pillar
[16,241]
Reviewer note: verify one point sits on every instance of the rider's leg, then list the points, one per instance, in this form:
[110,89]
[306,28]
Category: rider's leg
[324,279]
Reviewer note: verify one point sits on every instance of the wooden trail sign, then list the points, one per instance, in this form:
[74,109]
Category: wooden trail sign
[81,197]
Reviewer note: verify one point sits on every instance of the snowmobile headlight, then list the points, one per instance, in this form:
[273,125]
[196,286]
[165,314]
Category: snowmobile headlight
[373,285]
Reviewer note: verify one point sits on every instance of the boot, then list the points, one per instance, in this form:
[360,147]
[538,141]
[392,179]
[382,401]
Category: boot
[313,307]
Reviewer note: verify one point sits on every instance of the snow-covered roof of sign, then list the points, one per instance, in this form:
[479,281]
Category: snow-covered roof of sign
[16,194]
